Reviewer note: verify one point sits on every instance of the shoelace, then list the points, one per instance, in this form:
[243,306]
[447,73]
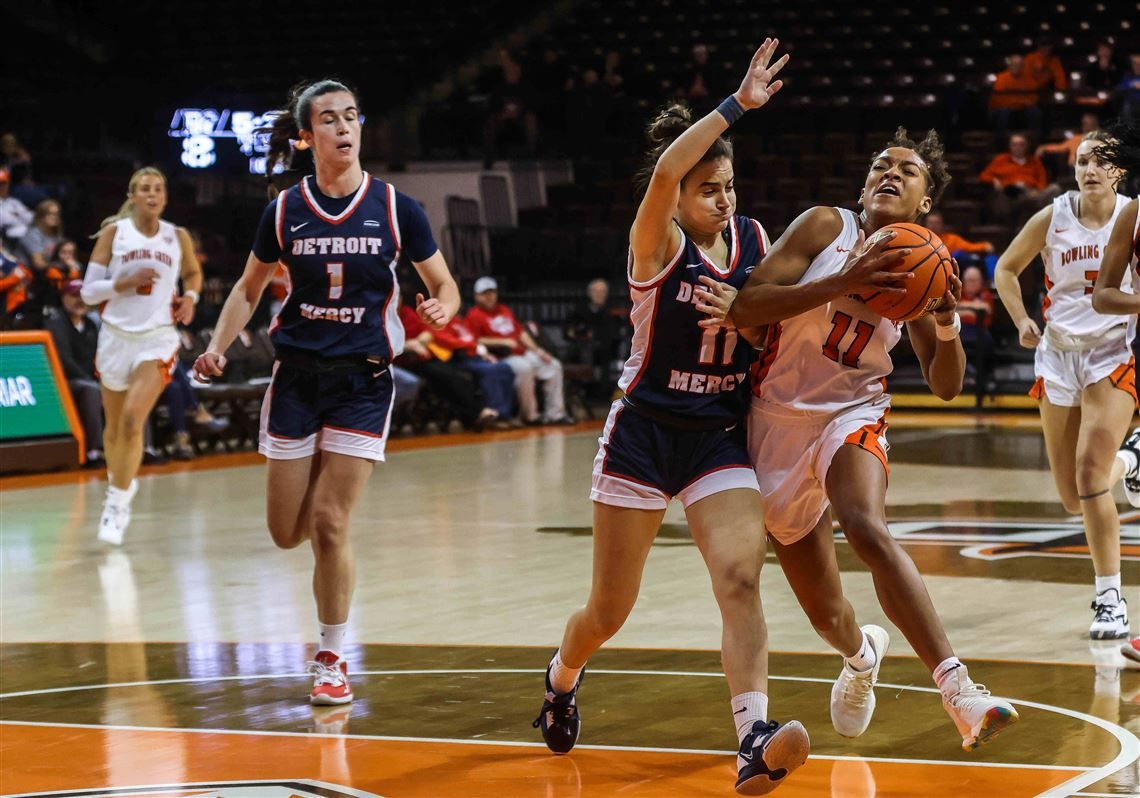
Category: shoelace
[970,692]
[560,711]
[326,674]
[856,689]
[1103,613]
[758,731]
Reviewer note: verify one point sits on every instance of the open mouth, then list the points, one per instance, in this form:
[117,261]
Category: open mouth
[345,148]
[889,189]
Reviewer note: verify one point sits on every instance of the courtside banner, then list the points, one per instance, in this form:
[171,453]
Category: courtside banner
[34,398]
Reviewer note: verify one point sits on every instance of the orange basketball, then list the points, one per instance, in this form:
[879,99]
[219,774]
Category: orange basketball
[931,264]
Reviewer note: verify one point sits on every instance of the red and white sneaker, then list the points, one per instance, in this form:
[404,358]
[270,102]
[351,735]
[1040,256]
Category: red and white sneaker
[331,683]
[1131,650]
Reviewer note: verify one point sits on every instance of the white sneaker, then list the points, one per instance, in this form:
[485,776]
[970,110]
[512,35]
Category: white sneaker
[977,714]
[852,696]
[116,515]
[1110,616]
[1132,476]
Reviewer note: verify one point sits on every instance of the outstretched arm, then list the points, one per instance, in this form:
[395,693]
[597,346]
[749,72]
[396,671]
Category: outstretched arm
[1107,296]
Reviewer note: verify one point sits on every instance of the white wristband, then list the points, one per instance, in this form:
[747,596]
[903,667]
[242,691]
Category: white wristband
[948,332]
[192,294]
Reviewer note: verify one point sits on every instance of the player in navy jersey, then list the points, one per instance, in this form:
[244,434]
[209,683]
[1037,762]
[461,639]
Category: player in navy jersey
[325,417]
[679,431]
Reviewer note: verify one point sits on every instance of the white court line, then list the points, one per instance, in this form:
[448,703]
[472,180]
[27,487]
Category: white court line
[143,789]
[388,738]
[1129,744]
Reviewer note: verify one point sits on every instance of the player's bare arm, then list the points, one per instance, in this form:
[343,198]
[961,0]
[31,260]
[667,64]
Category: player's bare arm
[1021,251]
[1107,297]
[943,360]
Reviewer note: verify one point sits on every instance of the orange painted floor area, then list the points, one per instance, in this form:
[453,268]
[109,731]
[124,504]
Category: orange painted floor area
[41,758]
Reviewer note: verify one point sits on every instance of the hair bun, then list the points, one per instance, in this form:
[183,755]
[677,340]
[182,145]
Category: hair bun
[670,122]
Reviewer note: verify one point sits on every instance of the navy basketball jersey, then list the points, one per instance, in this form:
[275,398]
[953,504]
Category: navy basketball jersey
[676,365]
[342,273]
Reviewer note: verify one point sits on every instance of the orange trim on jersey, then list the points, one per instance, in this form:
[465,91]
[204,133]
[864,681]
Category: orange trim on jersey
[867,439]
[43,337]
[1124,378]
[764,364]
[1038,389]
[167,369]
[352,431]
[1048,302]
[311,201]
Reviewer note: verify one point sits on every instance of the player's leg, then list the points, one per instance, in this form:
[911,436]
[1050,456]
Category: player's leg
[810,566]
[1105,415]
[857,486]
[126,414]
[289,499]
[1061,427]
[622,539]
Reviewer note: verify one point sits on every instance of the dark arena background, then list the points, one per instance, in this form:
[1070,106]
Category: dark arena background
[173,664]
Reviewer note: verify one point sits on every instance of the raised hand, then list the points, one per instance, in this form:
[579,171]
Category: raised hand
[758,86]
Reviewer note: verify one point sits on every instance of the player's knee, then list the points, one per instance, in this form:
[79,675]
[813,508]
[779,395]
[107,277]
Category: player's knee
[868,535]
[330,530]
[739,583]
[1090,479]
[607,618]
[131,422]
[286,535]
[825,617]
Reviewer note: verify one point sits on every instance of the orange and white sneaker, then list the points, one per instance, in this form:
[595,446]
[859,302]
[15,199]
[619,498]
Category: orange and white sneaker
[330,685]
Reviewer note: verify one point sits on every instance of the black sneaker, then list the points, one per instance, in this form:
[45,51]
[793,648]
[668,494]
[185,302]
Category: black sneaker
[1132,477]
[768,754]
[559,719]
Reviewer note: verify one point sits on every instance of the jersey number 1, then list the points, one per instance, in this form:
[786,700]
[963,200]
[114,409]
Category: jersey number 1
[336,280]
[840,324]
[725,339]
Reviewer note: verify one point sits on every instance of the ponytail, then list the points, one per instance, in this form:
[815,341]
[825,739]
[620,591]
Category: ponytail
[127,208]
[289,121]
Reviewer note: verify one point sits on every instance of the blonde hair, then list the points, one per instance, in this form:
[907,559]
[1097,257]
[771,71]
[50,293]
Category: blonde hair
[127,208]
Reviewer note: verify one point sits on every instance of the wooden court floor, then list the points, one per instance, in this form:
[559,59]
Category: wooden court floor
[175,665]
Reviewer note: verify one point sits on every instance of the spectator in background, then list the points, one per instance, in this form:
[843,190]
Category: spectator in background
[967,252]
[1105,72]
[44,235]
[595,332]
[18,162]
[495,379]
[184,406]
[976,310]
[63,266]
[1014,95]
[700,74]
[1044,67]
[75,331]
[15,216]
[497,328]
[1020,185]
[512,124]
[1089,122]
[1128,90]
[15,278]
[432,363]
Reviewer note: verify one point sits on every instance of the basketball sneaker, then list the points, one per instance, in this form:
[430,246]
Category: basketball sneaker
[1131,650]
[330,683]
[768,754]
[1110,616]
[331,719]
[852,696]
[558,719]
[116,515]
[978,715]
[1132,475]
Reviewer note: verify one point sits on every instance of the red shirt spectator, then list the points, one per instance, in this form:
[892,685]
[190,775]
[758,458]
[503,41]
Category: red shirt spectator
[457,337]
[1015,167]
[1045,68]
[1014,88]
[976,296]
[498,322]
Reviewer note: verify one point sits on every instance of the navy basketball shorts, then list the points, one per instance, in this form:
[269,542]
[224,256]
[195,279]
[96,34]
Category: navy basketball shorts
[643,464]
[304,411]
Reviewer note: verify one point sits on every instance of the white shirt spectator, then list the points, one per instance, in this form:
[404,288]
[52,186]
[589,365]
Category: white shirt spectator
[15,217]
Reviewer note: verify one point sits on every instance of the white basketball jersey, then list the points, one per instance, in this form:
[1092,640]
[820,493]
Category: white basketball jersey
[834,356]
[1072,258]
[131,251]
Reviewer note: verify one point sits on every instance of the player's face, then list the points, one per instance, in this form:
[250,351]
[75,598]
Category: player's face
[708,197]
[1094,175]
[896,187]
[149,196]
[335,137]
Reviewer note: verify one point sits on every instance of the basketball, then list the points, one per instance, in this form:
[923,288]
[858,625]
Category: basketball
[931,264]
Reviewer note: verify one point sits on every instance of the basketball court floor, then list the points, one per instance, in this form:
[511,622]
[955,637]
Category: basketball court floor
[174,666]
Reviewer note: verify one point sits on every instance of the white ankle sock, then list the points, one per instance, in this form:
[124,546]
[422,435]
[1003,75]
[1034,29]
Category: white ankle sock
[946,675]
[1129,459]
[120,497]
[332,637]
[747,708]
[1103,583]
[865,658]
[563,677]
